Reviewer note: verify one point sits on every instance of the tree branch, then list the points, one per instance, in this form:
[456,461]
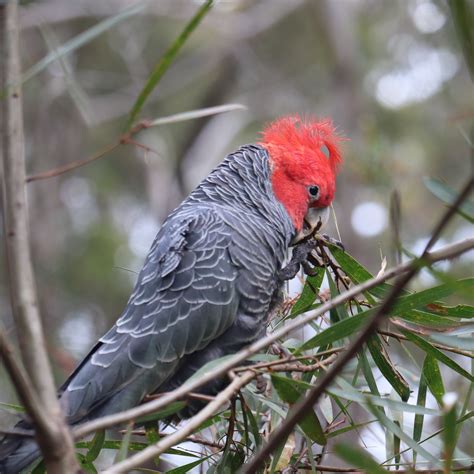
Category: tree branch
[53,436]
[447,252]
[193,423]
[300,409]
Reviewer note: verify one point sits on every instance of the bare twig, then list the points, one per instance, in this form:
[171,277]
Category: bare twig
[53,435]
[127,138]
[447,252]
[401,337]
[193,423]
[300,409]
[74,165]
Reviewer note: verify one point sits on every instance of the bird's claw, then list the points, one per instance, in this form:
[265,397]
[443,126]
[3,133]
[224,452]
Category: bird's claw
[327,239]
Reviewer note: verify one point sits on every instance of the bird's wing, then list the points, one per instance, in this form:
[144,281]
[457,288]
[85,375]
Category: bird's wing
[184,298]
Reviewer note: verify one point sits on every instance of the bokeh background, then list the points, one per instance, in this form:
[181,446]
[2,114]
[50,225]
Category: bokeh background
[390,74]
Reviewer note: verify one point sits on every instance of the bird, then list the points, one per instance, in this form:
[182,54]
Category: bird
[212,277]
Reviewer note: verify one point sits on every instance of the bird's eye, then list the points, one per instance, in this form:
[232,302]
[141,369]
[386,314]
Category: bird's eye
[313,191]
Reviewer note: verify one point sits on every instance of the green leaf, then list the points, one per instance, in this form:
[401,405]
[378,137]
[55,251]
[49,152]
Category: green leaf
[187,467]
[458,342]
[449,196]
[122,452]
[336,332]
[437,354]
[339,312]
[432,375]
[340,431]
[462,14]
[11,406]
[171,409]
[459,311]
[153,436]
[290,393]
[82,39]
[194,114]
[348,392]
[368,373]
[96,446]
[358,274]
[397,431]
[165,62]
[86,465]
[431,320]
[359,458]
[231,461]
[383,362]
[420,401]
[349,326]
[396,445]
[449,437]
[254,427]
[309,293]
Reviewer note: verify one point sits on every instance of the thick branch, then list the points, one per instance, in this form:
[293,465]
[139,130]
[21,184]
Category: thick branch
[447,252]
[53,435]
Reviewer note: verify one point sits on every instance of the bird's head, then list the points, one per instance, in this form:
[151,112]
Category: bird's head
[304,161]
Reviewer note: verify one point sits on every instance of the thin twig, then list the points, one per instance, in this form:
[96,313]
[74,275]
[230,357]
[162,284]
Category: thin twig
[127,138]
[73,165]
[401,337]
[193,423]
[445,253]
[53,435]
[190,439]
[302,407]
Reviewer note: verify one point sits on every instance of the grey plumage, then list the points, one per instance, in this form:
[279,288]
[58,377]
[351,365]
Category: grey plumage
[205,290]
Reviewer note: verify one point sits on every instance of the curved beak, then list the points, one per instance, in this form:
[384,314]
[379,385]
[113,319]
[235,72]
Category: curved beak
[314,220]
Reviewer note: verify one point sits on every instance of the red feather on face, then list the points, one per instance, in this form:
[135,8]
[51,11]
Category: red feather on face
[303,152]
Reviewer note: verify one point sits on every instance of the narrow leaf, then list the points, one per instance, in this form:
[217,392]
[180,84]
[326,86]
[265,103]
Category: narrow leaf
[432,376]
[420,401]
[122,452]
[165,62]
[359,458]
[414,301]
[448,195]
[437,354]
[187,467]
[385,365]
[397,431]
[195,114]
[96,446]
[81,39]
[290,393]
[309,293]
[449,437]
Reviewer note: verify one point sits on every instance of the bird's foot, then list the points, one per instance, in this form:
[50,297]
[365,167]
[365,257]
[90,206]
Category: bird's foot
[328,240]
[299,258]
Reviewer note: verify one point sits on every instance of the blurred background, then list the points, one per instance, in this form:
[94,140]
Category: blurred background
[390,74]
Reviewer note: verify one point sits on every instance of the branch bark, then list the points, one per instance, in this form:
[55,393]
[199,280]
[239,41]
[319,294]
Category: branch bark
[447,252]
[53,436]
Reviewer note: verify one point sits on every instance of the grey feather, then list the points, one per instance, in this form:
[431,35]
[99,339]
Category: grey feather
[205,290]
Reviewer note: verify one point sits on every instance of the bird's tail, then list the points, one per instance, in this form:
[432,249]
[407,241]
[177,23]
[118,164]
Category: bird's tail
[17,452]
